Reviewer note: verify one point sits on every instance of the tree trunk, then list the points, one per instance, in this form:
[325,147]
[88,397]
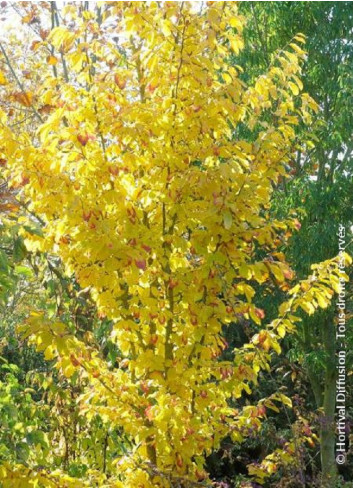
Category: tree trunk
[328,432]
[313,376]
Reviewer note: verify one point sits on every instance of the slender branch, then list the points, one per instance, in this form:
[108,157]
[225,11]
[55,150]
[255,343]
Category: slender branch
[63,61]
[19,83]
[55,71]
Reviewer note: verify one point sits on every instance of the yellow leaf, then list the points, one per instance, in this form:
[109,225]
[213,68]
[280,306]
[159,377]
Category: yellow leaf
[297,49]
[235,45]
[166,28]
[300,37]
[284,399]
[281,330]
[322,301]
[61,38]
[235,22]
[277,272]
[245,271]
[3,79]
[271,405]
[294,88]
[227,78]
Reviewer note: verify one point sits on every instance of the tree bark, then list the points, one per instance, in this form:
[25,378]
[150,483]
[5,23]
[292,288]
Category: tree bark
[328,432]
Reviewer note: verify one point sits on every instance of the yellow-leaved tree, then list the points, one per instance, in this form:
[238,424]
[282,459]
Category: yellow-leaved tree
[149,165]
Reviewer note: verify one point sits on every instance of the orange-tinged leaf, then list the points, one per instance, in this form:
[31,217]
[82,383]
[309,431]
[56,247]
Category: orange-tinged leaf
[23,98]
[52,60]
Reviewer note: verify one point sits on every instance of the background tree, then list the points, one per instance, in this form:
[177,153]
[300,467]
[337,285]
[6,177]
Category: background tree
[321,176]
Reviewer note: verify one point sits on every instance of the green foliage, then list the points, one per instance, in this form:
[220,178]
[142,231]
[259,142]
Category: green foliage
[22,437]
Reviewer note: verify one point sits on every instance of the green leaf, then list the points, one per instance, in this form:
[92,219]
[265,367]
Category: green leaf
[22,270]
[34,230]
[19,251]
[4,262]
